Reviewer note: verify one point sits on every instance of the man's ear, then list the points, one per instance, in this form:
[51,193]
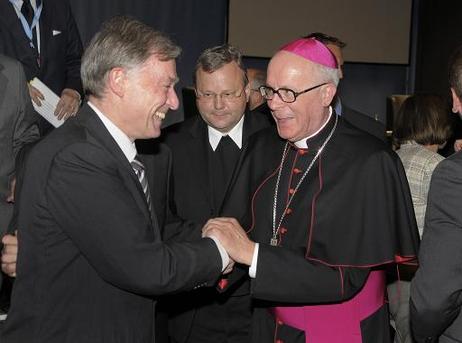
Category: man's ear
[117,81]
[327,94]
[247,92]
[456,102]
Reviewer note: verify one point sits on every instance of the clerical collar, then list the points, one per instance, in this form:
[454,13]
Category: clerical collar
[125,144]
[302,144]
[235,134]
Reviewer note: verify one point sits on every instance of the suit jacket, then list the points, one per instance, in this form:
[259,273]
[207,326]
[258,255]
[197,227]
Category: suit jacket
[436,290]
[60,47]
[364,122]
[91,262]
[17,128]
[193,199]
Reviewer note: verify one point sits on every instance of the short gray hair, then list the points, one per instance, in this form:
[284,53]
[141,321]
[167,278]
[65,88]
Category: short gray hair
[122,42]
[214,58]
[328,74]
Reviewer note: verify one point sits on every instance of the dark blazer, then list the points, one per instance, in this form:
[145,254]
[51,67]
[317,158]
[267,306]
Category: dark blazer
[193,199]
[17,128]
[60,45]
[364,122]
[91,262]
[436,290]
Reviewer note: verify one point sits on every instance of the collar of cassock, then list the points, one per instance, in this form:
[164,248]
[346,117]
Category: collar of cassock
[316,139]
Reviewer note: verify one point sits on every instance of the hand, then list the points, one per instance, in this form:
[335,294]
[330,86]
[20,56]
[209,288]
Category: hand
[233,238]
[36,96]
[9,254]
[68,105]
[10,197]
[458,145]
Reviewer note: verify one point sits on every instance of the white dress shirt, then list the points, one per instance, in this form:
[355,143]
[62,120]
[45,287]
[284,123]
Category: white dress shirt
[235,134]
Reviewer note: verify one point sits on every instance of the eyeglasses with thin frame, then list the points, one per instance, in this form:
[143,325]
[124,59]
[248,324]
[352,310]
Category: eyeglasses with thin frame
[285,94]
[226,96]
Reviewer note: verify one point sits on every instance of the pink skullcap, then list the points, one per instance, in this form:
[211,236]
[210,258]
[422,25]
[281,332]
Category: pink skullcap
[312,50]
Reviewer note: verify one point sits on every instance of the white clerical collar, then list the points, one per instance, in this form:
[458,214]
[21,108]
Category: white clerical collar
[235,134]
[301,144]
[125,144]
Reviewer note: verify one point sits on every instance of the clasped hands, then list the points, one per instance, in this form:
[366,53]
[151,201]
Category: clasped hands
[232,237]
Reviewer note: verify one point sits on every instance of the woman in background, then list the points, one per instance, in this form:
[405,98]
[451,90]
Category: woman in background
[421,128]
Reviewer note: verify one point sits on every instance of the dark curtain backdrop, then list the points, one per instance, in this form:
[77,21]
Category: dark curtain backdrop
[194,25]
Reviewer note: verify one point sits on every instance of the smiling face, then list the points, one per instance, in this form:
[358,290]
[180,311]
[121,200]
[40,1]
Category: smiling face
[222,96]
[148,95]
[310,110]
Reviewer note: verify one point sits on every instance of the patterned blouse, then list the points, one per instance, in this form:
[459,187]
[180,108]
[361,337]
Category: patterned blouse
[419,163]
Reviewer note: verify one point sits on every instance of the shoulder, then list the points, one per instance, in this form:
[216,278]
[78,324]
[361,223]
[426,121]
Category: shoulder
[364,122]
[450,168]
[10,68]
[8,62]
[351,139]
[178,133]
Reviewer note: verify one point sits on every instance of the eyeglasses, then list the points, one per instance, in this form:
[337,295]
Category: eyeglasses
[285,94]
[226,96]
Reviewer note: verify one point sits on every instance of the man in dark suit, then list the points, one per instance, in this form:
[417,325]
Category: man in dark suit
[18,128]
[358,119]
[43,36]
[214,141]
[436,288]
[91,261]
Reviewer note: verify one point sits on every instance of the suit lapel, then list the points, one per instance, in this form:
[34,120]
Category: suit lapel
[199,146]
[97,129]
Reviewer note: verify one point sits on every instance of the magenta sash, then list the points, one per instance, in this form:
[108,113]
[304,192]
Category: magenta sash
[336,323]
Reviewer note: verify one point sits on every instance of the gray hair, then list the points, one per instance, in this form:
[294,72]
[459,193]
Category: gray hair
[122,42]
[328,74]
[214,58]
[455,72]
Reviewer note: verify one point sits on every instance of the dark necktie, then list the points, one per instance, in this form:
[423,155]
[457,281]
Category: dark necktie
[27,11]
[138,167]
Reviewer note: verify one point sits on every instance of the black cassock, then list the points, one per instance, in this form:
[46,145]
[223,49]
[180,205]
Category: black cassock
[349,219]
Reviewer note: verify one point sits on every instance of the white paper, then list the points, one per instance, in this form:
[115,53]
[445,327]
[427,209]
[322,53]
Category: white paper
[48,107]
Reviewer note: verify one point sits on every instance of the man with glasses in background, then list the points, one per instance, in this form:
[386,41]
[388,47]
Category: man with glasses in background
[206,151]
[330,210]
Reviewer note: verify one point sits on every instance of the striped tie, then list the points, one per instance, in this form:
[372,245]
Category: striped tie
[138,167]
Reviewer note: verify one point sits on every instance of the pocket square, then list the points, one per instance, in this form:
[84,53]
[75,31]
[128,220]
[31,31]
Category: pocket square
[56,32]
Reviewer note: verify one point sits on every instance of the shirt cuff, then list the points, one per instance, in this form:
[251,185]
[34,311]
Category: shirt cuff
[253,266]
[224,255]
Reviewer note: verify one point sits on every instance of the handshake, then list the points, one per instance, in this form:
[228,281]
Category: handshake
[226,230]
[232,237]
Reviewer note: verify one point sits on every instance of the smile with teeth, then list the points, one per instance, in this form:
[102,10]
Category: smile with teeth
[160,115]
